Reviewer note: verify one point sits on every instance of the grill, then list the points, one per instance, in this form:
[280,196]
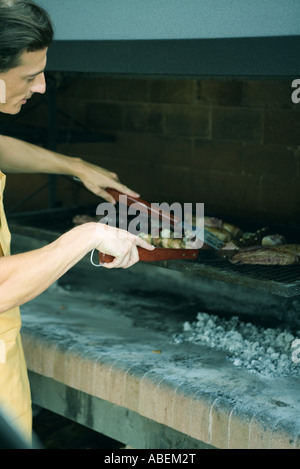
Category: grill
[277,280]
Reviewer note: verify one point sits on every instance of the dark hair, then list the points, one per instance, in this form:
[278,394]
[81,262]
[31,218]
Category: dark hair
[24,27]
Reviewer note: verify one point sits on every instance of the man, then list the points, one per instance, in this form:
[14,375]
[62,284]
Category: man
[25,35]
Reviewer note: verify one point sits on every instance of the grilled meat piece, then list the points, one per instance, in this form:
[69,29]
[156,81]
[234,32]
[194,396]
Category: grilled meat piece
[285,254]
[212,222]
[222,228]
[234,230]
[253,239]
[229,247]
[273,240]
[220,233]
[163,242]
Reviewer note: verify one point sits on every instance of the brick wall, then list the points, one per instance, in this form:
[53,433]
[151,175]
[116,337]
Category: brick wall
[234,145]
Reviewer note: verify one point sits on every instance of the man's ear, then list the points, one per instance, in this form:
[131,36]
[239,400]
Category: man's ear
[2,92]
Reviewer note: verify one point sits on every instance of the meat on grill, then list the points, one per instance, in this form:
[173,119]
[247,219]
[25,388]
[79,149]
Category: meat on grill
[285,254]
[240,248]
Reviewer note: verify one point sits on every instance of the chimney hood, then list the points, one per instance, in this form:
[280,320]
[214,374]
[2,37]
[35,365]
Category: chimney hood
[188,38]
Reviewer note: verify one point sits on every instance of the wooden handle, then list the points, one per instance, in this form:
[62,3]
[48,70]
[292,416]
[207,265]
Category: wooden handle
[158,254]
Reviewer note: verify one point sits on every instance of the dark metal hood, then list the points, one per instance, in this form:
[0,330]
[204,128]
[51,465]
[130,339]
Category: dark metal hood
[176,37]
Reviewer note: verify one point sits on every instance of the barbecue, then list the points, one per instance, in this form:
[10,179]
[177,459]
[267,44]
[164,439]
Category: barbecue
[197,345]
[262,249]
[286,254]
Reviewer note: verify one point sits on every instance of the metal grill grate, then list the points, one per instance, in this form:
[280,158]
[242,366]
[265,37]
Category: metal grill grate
[279,280]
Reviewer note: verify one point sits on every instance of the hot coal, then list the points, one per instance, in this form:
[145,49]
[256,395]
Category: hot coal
[271,352]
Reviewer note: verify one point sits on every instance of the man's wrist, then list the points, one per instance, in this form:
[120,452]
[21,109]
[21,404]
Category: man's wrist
[77,167]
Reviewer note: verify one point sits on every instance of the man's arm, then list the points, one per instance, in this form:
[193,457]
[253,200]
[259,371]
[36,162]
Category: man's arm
[24,276]
[17,156]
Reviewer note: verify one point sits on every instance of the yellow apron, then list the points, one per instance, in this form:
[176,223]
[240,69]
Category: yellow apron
[15,396]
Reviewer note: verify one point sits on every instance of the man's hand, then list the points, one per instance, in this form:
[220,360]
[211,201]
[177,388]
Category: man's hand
[97,179]
[120,244]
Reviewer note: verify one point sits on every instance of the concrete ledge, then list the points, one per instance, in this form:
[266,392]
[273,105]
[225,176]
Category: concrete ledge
[109,419]
[108,346]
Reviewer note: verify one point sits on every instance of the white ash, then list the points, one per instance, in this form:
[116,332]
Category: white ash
[266,351]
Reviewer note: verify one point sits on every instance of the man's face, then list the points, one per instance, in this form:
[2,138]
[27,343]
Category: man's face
[23,81]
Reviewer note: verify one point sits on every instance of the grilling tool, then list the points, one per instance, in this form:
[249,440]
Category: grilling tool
[162,253]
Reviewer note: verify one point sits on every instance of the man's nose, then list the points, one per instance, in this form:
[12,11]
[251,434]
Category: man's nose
[39,85]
